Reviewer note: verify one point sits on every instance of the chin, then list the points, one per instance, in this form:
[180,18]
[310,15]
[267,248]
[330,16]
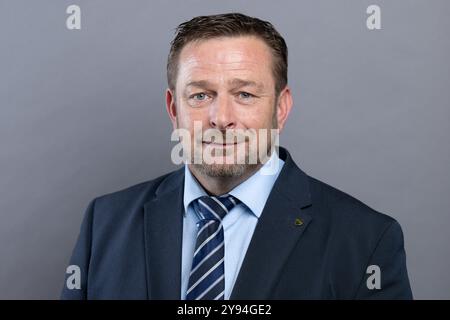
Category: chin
[223,170]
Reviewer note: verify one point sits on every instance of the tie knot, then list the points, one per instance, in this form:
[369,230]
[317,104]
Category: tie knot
[215,207]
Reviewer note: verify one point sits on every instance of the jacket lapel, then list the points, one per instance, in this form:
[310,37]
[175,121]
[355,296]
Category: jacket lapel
[163,228]
[277,232]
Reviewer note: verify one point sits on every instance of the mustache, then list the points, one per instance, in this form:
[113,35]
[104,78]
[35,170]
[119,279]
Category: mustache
[226,137]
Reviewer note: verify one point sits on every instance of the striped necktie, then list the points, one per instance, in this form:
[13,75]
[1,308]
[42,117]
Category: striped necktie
[207,277]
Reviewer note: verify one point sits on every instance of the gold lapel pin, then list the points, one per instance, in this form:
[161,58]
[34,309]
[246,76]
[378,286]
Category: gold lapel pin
[298,222]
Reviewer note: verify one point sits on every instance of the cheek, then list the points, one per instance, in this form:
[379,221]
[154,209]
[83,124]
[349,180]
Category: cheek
[188,116]
[256,119]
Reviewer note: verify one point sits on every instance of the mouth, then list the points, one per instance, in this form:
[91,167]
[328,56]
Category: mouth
[221,145]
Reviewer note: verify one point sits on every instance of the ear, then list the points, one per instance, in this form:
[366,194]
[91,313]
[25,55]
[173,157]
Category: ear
[284,107]
[171,107]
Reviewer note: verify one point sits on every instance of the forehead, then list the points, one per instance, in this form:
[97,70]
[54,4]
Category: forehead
[243,56]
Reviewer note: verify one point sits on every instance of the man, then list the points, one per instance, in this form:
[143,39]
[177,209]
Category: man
[223,226]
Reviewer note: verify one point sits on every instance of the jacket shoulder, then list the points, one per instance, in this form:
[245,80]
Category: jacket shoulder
[355,237]
[345,212]
[137,195]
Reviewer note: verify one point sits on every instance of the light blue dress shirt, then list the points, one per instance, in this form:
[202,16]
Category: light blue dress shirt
[239,224]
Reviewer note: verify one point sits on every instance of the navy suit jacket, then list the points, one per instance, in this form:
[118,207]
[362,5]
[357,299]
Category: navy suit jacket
[312,241]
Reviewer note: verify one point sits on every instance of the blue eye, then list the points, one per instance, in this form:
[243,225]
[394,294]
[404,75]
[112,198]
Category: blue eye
[245,95]
[199,96]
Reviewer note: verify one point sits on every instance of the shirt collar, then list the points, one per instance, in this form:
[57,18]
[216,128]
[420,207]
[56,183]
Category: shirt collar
[253,192]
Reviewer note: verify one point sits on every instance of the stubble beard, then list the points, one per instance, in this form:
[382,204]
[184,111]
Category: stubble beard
[235,170]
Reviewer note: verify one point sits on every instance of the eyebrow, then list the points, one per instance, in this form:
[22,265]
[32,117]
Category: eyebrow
[236,83]
[200,83]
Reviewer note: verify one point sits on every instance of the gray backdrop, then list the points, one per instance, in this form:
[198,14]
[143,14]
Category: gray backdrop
[82,114]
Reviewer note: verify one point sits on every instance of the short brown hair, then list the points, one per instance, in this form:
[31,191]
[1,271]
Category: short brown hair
[229,25]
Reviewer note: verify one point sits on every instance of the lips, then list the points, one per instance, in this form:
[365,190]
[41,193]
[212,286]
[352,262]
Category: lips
[220,144]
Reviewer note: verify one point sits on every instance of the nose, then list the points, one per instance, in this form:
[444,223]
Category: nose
[221,115]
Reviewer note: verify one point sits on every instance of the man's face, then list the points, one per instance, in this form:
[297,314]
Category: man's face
[225,84]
